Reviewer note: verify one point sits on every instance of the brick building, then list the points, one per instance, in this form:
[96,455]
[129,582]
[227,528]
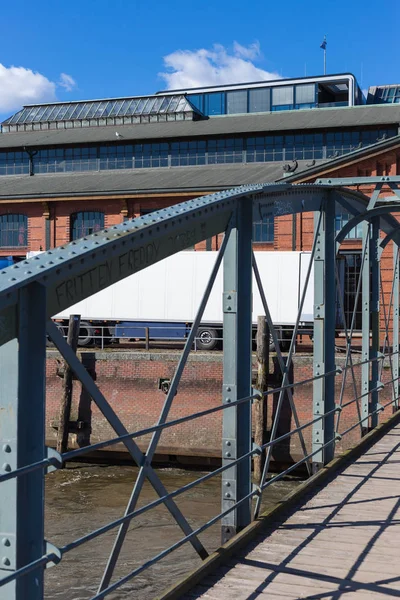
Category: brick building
[67,169]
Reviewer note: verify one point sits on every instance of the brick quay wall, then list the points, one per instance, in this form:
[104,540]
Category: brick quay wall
[130,381]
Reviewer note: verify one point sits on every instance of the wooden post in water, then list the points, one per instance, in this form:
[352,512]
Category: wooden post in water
[66,399]
[260,405]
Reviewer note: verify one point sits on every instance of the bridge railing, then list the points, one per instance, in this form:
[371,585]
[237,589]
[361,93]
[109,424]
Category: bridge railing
[31,292]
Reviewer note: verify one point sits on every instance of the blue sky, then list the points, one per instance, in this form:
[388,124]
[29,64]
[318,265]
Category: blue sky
[104,48]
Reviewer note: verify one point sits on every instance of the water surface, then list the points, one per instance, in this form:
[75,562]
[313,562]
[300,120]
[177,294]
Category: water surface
[83,497]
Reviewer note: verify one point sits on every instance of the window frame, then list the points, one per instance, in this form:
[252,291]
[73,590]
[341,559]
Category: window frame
[93,224]
[20,229]
[264,230]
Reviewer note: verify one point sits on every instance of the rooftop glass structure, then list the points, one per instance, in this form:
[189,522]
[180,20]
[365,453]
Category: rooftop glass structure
[384,94]
[190,104]
[270,96]
[116,111]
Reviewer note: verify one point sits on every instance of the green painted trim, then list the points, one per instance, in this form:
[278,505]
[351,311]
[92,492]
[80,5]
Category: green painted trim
[270,517]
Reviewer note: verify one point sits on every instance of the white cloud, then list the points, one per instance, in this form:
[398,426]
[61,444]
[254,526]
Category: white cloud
[252,52]
[67,82]
[19,86]
[197,68]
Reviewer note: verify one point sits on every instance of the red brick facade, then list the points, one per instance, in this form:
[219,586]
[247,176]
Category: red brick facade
[58,212]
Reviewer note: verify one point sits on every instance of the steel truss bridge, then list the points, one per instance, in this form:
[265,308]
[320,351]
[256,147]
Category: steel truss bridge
[34,290]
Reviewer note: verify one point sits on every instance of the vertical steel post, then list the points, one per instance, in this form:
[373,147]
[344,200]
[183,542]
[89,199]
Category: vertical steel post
[374,308]
[366,288]
[237,308]
[22,400]
[324,334]
[395,339]
[370,322]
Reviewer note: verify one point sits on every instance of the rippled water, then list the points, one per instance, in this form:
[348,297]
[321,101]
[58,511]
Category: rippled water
[82,497]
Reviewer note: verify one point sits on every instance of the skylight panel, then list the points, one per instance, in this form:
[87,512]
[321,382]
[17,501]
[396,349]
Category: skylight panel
[100,112]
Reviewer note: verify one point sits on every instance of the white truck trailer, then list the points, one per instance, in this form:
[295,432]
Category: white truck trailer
[161,301]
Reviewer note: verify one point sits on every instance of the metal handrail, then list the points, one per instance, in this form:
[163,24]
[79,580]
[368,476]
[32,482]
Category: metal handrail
[57,268]
[51,557]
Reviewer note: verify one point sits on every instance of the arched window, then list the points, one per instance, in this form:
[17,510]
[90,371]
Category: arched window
[340,221]
[13,231]
[86,222]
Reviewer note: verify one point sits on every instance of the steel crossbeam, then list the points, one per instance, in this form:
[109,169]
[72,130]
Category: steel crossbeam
[396,326]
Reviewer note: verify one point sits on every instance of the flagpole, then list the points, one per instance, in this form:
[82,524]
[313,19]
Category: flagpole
[323,46]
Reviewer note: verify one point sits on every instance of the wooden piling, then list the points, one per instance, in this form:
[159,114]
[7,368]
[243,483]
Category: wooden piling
[66,399]
[260,405]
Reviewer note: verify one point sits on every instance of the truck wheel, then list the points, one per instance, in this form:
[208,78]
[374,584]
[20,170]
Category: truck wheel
[86,334]
[283,343]
[207,338]
[271,343]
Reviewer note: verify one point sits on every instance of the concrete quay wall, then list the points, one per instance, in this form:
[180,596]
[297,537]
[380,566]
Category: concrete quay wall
[130,381]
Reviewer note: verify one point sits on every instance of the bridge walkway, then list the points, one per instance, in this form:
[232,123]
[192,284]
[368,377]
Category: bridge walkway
[341,542]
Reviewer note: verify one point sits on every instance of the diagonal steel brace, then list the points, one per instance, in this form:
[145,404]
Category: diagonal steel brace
[113,558]
[108,412]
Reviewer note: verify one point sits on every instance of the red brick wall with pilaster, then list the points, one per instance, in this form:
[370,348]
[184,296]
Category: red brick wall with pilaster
[61,210]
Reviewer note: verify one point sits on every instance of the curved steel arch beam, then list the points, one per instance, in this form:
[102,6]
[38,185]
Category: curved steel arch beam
[390,236]
[367,216]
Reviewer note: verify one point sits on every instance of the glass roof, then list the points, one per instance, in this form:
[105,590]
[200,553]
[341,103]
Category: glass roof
[101,110]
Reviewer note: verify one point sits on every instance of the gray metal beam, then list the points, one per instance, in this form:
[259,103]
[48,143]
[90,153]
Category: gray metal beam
[324,334]
[370,309]
[366,298]
[374,315]
[22,407]
[8,462]
[339,181]
[395,324]
[236,435]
